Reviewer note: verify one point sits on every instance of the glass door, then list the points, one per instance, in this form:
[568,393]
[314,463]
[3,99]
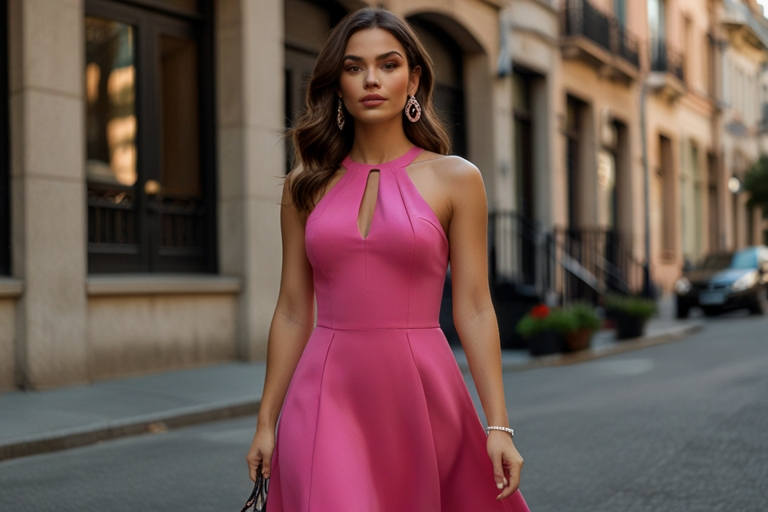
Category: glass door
[149,159]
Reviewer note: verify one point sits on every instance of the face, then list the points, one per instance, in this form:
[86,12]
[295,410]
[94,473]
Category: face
[375,81]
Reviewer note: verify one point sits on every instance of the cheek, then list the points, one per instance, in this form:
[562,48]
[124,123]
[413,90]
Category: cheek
[347,85]
[400,83]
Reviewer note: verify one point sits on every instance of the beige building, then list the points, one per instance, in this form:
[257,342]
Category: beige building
[139,227]
[744,86]
[683,147]
[142,156]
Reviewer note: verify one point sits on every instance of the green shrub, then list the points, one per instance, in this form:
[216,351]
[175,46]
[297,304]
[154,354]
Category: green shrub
[632,306]
[541,319]
[756,183]
[585,317]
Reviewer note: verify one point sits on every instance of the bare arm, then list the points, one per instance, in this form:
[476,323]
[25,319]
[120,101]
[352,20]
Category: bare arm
[289,331]
[473,313]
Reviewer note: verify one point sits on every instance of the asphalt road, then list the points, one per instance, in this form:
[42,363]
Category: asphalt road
[676,427]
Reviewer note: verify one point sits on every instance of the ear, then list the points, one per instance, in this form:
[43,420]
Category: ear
[413,83]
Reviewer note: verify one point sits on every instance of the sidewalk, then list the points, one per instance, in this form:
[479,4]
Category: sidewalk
[43,421]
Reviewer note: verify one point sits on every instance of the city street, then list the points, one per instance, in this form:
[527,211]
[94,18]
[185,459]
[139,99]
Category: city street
[675,427]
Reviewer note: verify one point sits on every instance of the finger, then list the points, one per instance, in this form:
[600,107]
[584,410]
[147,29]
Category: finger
[498,472]
[266,467]
[253,465]
[513,482]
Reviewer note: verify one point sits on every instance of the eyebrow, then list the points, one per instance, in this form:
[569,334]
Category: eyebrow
[380,57]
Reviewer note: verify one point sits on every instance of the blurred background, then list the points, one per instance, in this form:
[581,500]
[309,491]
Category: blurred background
[142,151]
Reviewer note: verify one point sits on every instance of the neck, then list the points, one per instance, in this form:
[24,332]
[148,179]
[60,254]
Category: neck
[380,142]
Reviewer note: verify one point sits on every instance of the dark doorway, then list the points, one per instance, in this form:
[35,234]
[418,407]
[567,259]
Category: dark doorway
[150,136]
[524,173]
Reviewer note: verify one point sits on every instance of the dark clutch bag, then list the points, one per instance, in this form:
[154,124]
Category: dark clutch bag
[257,502]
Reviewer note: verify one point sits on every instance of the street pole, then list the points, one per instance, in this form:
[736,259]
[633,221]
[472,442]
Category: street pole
[647,286]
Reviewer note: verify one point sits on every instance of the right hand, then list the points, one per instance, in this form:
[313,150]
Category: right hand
[261,450]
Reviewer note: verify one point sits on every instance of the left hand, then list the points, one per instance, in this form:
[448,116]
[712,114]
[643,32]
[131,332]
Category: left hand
[507,462]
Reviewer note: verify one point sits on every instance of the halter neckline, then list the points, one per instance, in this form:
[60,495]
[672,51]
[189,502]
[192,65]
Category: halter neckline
[404,159]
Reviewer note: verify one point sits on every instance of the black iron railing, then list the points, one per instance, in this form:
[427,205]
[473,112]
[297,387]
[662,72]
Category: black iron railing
[666,58]
[570,264]
[581,18]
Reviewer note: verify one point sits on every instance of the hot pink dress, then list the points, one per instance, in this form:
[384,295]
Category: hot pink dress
[377,417]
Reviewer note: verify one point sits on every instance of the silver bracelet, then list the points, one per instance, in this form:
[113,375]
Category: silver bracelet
[504,429]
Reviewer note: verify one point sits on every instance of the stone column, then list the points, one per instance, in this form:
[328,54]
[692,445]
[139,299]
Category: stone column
[48,208]
[250,118]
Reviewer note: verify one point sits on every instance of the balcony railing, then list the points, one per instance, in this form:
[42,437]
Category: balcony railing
[667,59]
[580,18]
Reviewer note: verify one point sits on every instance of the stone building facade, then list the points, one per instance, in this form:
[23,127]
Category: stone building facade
[144,170]
[142,157]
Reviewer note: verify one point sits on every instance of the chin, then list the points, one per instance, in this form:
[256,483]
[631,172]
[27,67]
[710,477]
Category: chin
[375,117]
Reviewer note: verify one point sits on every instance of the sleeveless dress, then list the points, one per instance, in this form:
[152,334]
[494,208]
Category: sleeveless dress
[377,417]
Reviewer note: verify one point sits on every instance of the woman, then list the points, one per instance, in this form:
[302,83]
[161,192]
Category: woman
[375,412]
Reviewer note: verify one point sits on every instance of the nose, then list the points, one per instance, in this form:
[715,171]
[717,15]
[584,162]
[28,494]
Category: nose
[371,80]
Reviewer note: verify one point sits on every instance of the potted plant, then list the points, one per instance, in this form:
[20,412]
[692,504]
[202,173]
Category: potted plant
[586,322]
[630,314]
[545,328]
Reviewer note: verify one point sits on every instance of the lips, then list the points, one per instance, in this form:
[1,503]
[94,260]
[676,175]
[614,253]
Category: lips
[372,100]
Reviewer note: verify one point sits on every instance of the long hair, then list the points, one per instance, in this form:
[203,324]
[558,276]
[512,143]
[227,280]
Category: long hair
[320,145]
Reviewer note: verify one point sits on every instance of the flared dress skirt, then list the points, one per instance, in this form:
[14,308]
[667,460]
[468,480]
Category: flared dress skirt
[377,417]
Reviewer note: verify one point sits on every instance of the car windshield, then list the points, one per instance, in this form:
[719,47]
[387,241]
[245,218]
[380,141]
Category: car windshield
[744,259]
[741,259]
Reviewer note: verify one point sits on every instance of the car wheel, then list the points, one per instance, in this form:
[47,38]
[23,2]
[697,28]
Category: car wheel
[710,311]
[759,303]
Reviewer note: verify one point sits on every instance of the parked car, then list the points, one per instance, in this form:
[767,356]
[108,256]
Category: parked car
[726,281]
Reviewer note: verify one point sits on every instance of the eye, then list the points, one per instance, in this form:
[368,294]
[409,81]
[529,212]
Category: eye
[390,65]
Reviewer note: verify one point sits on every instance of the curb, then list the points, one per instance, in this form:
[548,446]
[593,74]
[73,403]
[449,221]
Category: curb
[149,424]
[583,356]
[182,417]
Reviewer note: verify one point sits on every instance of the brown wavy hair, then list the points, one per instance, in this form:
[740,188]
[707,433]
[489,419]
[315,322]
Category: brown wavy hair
[320,145]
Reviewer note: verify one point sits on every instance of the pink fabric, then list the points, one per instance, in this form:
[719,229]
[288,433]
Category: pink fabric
[377,417]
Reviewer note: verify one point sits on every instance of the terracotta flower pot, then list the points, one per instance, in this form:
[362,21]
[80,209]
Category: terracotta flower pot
[578,340]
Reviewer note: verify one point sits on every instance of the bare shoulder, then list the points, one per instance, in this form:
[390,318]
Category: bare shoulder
[457,176]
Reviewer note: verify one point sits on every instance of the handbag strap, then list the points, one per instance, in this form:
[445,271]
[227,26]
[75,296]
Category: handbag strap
[257,501]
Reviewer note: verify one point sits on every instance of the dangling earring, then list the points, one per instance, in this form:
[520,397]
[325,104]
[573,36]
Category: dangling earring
[413,110]
[340,117]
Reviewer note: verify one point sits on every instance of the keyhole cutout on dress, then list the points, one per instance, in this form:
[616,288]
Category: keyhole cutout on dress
[368,203]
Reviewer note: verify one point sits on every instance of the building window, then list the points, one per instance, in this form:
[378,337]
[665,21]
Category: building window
[668,202]
[620,12]
[713,205]
[574,128]
[657,25]
[5,196]
[150,161]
